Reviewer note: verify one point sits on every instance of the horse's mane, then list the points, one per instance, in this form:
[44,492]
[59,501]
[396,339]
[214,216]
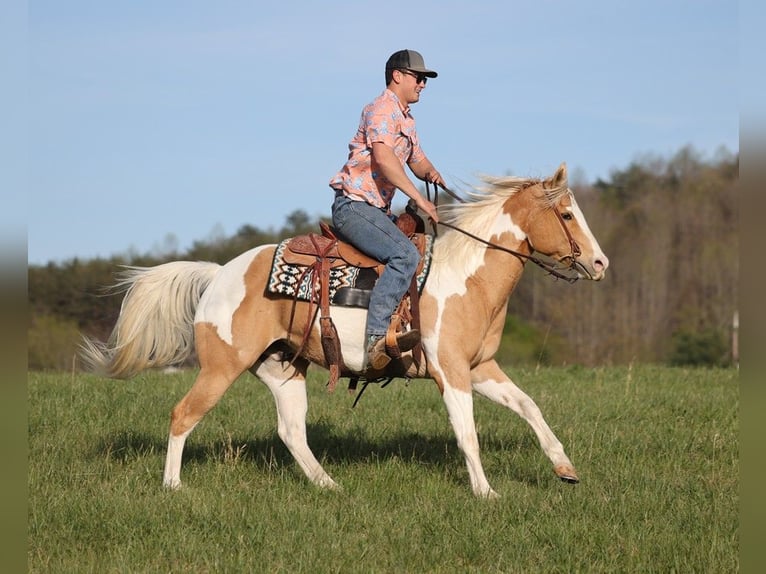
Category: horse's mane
[480,211]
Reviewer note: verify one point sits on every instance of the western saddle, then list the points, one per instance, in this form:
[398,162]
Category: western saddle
[321,253]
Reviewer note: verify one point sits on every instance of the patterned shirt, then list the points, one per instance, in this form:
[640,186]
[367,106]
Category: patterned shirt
[384,120]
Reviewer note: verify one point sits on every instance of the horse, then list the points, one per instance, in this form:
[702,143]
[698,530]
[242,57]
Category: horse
[225,314]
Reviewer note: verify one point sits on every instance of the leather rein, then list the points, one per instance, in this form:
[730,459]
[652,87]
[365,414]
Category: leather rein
[547,267]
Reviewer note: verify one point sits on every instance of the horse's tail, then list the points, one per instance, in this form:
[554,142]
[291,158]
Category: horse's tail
[156,323]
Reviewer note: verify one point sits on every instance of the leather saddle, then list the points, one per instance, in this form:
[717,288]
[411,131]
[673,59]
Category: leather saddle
[325,251]
[304,249]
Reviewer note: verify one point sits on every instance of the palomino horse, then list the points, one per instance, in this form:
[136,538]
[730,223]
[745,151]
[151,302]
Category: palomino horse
[226,313]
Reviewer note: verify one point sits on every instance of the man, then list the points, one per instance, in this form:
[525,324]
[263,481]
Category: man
[385,142]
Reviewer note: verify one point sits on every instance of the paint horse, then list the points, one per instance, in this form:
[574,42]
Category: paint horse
[234,324]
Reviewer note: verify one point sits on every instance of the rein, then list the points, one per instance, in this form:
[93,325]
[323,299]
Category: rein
[544,265]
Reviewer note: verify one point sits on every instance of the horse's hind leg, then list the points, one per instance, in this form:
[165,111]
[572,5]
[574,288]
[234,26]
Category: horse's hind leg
[220,367]
[490,381]
[288,385]
[203,396]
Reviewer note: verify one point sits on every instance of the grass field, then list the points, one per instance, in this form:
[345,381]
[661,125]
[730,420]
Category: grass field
[656,449]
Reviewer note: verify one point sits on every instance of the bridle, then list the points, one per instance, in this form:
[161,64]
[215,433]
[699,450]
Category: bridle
[573,245]
[551,269]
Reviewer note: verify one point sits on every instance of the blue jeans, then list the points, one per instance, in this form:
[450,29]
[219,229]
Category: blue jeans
[370,230]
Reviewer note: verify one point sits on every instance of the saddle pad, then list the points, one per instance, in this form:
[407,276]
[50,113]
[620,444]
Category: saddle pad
[285,278]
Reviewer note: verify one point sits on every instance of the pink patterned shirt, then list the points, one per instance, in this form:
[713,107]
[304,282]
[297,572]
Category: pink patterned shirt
[384,120]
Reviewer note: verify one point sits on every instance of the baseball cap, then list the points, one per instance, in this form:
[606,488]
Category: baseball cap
[409,60]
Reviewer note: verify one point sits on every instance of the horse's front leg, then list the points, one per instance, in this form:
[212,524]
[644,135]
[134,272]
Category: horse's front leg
[459,402]
[490,381]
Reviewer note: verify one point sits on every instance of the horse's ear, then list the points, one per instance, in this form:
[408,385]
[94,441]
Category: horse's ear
[560,177]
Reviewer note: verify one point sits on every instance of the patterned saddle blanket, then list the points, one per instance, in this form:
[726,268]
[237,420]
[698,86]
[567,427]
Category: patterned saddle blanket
[292,280]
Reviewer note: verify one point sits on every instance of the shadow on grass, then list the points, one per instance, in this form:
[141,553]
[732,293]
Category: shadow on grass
[439,450]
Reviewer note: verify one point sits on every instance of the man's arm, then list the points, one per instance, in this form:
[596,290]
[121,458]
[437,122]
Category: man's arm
[426,171]
[393,171]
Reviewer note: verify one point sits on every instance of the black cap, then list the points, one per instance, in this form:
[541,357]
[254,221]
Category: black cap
[409,60]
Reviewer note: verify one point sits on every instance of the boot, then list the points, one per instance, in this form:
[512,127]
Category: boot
[377,358]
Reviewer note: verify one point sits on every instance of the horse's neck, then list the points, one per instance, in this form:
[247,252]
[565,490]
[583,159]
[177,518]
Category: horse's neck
[489,275]
[501,272]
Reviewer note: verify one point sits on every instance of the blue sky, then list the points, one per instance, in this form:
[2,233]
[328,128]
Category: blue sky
[152,124]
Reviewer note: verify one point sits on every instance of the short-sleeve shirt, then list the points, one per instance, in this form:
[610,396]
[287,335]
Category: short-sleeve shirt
[387,121]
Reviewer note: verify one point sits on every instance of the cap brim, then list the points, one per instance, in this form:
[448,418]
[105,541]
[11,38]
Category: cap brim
[426,73]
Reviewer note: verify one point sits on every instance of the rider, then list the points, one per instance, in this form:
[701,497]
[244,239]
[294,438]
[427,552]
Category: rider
[385,141]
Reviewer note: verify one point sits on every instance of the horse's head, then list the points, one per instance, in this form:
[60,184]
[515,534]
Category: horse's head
[542,213]
[558,228]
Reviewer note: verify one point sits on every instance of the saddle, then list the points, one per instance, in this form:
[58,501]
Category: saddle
[325,251]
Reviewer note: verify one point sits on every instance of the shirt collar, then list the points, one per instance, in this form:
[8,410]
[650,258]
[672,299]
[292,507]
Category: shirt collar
[405,109]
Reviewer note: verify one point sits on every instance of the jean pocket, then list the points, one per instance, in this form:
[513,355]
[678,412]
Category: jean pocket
[341,212]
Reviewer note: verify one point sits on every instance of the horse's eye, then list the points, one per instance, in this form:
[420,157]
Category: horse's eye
[566,216]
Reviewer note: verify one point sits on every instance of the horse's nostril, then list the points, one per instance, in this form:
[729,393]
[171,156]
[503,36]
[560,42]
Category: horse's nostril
[601,263]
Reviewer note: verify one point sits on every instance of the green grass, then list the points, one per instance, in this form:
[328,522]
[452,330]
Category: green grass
[656,449]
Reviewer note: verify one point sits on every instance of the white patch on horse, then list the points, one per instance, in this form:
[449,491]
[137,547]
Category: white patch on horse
[517,232]
[350,323]
[575,209]
[451,278]
[225,294]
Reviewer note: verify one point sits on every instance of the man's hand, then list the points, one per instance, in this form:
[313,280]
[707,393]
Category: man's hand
[435,177]
[429,209]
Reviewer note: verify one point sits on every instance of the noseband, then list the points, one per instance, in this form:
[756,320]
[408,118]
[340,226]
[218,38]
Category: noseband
[547,267]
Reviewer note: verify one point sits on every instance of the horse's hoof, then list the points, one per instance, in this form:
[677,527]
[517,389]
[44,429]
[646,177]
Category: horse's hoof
[488,494]
[567,474]
[327,483]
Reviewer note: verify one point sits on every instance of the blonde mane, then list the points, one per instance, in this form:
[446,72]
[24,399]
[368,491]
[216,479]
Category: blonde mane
[482,207]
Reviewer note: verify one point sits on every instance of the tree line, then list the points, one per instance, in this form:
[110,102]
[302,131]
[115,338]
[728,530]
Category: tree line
[668,225]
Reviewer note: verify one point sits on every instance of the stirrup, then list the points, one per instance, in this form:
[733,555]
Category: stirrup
[381,351]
